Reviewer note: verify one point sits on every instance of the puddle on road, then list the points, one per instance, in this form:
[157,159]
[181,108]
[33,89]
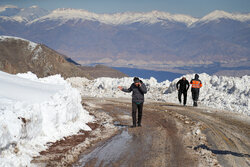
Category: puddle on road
[119,125]
[120,111]
[110,152]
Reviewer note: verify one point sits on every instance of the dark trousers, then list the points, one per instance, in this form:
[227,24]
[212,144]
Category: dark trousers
[136,107]
[195,95]
[185,96]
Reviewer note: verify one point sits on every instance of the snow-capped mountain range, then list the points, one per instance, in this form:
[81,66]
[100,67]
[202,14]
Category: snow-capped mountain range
[152,40]
[36,14]
[22,14]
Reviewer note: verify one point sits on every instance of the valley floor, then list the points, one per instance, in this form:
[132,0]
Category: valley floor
[171,135]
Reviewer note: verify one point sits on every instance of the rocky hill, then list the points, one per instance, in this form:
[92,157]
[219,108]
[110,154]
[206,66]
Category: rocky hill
[19,55]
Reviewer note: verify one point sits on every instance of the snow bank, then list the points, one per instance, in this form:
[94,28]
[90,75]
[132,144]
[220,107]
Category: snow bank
[36,111]
[107,87]
[225,93]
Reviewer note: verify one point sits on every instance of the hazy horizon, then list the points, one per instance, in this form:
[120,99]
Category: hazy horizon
[193,8]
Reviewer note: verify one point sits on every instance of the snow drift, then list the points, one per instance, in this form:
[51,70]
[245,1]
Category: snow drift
[36,111]
[225,93]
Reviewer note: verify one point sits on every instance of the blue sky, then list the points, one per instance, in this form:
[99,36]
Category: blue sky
[196,8]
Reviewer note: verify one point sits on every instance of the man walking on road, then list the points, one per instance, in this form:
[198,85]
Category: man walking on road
[196,85]
[139,89]
[182,87]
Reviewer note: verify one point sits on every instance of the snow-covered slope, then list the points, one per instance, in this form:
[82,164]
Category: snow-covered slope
[35,14]
[31,13]
[36,111]
[118,18]
[13,13]
[219,14]
[225,93]
[31,45]
[65,14]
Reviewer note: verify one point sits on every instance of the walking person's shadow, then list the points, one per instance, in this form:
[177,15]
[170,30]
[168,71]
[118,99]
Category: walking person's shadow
[222,152]
[121,125]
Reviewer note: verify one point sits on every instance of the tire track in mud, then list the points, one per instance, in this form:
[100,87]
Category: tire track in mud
[228,137]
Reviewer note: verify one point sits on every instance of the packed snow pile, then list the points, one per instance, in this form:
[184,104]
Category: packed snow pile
[225,93]
[107,87]
[35,111]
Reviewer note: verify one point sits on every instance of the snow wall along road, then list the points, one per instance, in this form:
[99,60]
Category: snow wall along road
[225,93]
[36,111]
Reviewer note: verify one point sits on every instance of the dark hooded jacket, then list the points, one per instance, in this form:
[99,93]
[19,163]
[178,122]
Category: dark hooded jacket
[182,85]
[138,92]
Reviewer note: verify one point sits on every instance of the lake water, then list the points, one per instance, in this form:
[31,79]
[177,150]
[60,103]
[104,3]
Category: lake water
[146,74]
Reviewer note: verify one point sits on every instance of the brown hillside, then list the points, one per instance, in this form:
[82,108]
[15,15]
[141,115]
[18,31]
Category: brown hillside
[18,56]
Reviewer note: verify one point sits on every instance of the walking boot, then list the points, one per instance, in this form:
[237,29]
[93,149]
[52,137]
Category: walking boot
[133,126]
[195,104]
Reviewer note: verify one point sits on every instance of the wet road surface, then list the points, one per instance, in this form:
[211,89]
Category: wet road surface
[156,143]
[160,142]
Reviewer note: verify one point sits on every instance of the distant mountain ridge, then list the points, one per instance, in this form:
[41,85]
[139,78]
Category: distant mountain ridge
[152,40]
[116,19]
[22,14]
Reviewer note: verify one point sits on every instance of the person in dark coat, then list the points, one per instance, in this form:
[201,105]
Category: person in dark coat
[182,87]
[196,85]
[139,89]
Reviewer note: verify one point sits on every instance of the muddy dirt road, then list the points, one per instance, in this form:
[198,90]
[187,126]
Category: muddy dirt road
[228,135]
[171,135]
[156,143]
